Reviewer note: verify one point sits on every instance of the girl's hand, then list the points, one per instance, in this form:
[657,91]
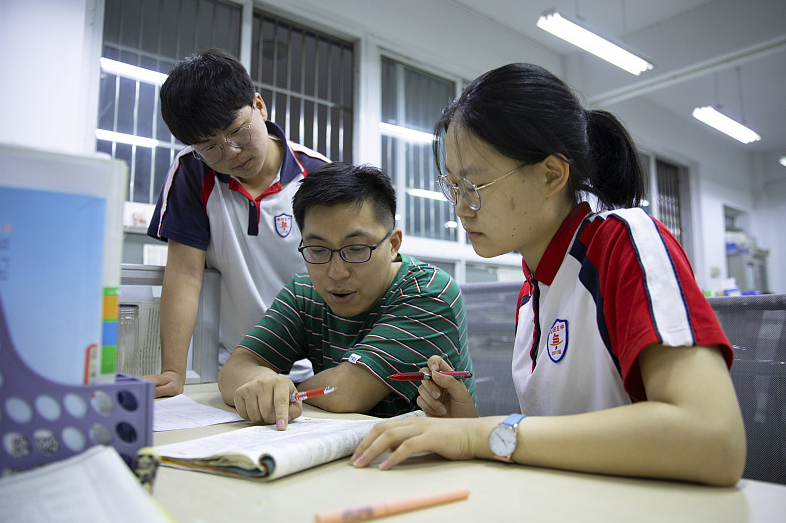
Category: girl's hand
[444,396]
[450,438]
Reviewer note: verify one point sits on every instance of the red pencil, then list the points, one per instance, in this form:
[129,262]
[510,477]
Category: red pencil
[420,376]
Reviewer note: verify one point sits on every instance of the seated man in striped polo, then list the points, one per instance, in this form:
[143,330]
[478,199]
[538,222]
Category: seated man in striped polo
[362,312]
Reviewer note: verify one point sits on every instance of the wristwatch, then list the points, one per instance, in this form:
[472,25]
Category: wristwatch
[503,437]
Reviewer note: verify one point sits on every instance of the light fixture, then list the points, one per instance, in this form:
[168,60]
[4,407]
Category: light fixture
[411,135]
[725,124]
[130,139]
[133,72]
[782,161]
[558,25]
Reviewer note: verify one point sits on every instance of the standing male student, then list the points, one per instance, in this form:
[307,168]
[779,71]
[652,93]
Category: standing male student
[362,313]
[226,204]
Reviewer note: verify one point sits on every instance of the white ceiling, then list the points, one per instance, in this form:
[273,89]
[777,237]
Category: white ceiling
[703,51]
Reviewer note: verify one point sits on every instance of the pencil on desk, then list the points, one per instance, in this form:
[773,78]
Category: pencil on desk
[307,394]
[388,508]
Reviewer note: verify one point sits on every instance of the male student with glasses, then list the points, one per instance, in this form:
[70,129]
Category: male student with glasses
[362,313]
[226,204]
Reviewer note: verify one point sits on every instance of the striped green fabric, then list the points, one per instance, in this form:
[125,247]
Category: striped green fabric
[421,314]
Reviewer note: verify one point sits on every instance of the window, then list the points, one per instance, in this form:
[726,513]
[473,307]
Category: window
[412,101]
[667,197]
[307,81]
[305,78]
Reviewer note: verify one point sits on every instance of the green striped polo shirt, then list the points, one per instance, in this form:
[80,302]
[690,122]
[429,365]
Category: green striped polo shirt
[421,314]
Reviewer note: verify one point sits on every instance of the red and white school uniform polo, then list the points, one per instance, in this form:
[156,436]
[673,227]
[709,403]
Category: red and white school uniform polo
[608,285]
[251,242]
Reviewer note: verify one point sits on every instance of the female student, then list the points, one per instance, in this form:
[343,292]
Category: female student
[620,364]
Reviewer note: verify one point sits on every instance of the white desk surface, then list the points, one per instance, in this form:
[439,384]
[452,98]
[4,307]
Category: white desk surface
[498,492]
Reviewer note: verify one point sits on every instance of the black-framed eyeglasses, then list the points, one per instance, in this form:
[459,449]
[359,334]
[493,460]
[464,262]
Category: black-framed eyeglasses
[468,190]
[239,137]
[357,253]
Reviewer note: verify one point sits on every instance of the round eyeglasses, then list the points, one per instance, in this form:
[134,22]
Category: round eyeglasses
[240,137]
[349,253]
[468,190]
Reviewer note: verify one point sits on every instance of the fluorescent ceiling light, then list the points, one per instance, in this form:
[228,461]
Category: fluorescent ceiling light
[725,124]
[403,132]
[130,139]
[133,72]
[423,193]
[782,161]
[560,26]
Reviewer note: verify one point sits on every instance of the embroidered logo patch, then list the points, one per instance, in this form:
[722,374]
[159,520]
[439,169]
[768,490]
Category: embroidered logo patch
[558,340]
[283,224]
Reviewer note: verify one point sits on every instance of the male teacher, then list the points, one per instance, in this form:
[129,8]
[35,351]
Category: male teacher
[362,312]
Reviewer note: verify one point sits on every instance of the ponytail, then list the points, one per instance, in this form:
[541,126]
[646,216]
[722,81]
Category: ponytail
[617,178]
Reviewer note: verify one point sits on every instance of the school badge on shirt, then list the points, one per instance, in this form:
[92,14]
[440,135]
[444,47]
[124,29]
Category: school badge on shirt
[283,224]
[558,340]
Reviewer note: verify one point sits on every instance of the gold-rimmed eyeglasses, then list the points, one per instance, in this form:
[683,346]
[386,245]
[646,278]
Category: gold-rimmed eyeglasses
[239,137]
[468,190]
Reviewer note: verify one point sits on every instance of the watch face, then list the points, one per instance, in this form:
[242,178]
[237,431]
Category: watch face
[502,440]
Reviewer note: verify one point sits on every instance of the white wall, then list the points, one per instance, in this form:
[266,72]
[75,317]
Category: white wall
[769,218]
[49,63]
[51,50]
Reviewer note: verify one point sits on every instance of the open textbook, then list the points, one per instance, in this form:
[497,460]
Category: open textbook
[262,451]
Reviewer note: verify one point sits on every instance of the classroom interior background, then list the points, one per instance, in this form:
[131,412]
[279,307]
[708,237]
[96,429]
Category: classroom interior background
[364,82]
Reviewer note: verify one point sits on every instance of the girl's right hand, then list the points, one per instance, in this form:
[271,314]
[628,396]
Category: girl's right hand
[444,396]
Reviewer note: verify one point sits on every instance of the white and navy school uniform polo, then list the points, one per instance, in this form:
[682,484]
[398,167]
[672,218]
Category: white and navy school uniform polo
[252,242]
[608,285]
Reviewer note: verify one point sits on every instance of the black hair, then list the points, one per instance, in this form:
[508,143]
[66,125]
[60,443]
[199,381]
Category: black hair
[336,183]
[526,113]
[202,94]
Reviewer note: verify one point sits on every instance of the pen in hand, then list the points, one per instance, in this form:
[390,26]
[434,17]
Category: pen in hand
[307,394]
[420,376]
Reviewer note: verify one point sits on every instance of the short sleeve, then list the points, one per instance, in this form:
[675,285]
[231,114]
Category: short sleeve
[180,213]
[410,329]
[278,337]
[633,287]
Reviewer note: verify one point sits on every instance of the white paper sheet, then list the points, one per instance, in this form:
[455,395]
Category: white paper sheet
[181,412]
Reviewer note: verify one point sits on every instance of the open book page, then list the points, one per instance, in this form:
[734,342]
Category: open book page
[263,451]
[95,485]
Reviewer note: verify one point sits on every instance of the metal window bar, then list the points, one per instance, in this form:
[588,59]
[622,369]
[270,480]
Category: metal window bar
[669,197]
[313,104]
[414,99]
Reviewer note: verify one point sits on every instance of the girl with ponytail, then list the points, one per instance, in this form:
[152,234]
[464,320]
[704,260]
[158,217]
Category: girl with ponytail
[619,363]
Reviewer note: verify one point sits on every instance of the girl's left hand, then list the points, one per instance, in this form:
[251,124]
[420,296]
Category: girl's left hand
[464,438]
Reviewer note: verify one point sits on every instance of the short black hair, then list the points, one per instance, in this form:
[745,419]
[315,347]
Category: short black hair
[202,94]
[336,183]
